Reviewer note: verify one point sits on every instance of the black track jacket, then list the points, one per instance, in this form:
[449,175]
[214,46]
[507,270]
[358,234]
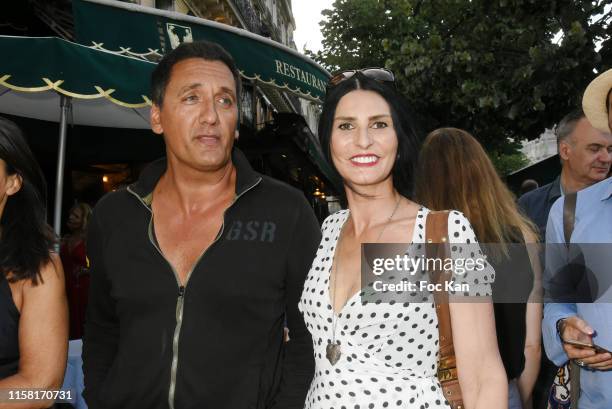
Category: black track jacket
[216,343]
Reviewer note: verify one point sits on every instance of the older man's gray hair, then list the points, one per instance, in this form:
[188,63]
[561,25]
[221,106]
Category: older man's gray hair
[567,124]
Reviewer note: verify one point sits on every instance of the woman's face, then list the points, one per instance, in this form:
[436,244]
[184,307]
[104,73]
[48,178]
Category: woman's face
[75,219]
[363,139]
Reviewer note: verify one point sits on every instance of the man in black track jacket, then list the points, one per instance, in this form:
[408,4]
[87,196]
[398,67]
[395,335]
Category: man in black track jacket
[196,266]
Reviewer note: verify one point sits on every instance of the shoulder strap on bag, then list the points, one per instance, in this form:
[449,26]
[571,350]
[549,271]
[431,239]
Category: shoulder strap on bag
[437,232]
[569,215]
[569,219]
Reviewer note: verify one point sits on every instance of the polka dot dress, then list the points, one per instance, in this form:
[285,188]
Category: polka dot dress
[389,349]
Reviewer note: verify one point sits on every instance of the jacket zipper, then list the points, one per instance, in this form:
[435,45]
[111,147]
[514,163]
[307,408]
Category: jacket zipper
[182,288]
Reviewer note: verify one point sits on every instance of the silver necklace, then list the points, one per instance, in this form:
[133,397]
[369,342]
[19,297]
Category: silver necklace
[333,351]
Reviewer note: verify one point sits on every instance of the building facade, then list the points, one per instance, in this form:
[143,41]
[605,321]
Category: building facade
[268,18]
[541,148]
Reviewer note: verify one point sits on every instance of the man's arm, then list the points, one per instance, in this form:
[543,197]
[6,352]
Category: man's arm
[553,346]
[102,325]
[298,366]
[556,258]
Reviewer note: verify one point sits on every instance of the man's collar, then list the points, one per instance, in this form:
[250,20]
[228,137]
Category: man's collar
[245,176]
[555,190]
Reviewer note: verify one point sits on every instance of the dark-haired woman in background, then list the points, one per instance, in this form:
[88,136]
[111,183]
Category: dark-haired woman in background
[384,354]
[467,181]
[33,311]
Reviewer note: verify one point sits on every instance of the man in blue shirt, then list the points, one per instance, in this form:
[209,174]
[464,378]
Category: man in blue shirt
[582,167]
[586,322]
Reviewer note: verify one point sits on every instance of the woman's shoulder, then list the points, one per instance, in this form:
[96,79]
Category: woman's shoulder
[453,215]
[459,228]
[335,220]
[51,273]
[50,280]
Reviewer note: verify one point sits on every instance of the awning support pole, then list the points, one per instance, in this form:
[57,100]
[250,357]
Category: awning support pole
[66,105]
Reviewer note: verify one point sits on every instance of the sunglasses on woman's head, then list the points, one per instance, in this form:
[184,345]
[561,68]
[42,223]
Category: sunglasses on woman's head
[378,74]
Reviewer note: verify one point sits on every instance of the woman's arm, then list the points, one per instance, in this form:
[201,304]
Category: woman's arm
[481,372]
[533,335]
[533,354]
[43,336]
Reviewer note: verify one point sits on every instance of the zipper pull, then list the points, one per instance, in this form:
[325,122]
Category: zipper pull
[181,291]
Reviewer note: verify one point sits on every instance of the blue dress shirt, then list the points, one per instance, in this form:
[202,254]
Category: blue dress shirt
[593,225]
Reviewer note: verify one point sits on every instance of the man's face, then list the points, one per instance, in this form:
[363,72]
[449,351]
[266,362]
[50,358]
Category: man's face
[587,153]
[199,114]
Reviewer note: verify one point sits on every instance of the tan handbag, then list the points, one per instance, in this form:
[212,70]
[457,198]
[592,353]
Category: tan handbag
[437,232]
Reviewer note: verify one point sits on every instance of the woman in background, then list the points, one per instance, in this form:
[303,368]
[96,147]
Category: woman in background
[455,173]
[33,311]
[73,253]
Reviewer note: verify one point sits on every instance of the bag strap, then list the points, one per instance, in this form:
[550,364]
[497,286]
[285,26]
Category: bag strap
[569,219]
[569,216]
[574,375]
[436,231]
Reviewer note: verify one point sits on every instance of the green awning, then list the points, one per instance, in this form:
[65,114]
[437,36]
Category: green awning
[107,89]
[149,33]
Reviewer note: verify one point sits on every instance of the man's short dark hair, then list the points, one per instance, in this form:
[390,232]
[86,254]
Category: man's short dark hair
[205,50]
[567,124]
[528,185]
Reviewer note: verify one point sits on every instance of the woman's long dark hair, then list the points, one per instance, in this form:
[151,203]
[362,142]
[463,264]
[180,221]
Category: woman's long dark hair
[25,238]
[404,123]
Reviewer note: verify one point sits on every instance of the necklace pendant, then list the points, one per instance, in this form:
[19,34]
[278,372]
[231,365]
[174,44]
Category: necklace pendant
[333,352]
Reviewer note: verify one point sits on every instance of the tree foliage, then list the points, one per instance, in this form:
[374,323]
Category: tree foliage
[502,69]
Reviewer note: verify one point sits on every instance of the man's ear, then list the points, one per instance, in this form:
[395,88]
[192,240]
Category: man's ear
[156,125]
[14,184]
[236,134]
[564,150]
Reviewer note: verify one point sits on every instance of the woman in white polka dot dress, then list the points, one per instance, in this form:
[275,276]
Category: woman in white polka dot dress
[384,354]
